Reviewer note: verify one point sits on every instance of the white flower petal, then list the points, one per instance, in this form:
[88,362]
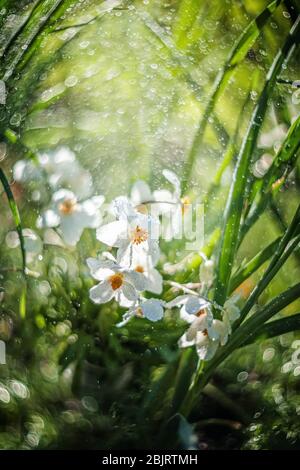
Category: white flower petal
[194,304]
[48,219]
[63,195]
[154,281]
[206,349]
[173,179]
[111,234]
[71,228]
[179,300]
[100,269]
[152,309]
[129,292]
[183,342]
[101,293]
[140,193]
[136,279]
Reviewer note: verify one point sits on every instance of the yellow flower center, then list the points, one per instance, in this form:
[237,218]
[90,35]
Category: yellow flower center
[139,269]
[68,206]
[116,281]
[201,312]
[139,235]
[139,312]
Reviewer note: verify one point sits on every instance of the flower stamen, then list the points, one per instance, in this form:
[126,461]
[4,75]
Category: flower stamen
[116,281]
[139,235]
[139,269]
[68,206]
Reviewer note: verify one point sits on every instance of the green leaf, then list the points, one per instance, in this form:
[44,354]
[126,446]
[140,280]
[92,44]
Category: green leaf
[253,265]
[282,165]
[286,246]
[236,55]
[237,195]
[17,220]
[15,213]
[276,328]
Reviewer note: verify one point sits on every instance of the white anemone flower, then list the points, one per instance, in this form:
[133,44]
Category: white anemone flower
[139,261]
[207,339]
[61,169]
[192,307]
[151,309]
[131,231]
[204,332]
[116,282]
[64,171]
[71,216]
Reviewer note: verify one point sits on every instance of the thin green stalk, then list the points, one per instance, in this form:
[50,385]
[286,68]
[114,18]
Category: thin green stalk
[16,215]
[253,265]
[17,220]
[237,195]
[276,328]
[286,247]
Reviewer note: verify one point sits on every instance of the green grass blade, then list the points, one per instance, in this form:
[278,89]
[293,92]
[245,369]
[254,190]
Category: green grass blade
[236,198]
[236,55]
[282,254]
[15,213]
[32,29]
[282,165]
[253,265]
[276,328]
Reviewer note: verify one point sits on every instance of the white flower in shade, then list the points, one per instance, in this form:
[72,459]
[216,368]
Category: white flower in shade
[60,168]
[231,311]
[27,171]
[151,309]
[32,243]
[116,282]
[192,307]
[204,332]
[64,171]
[132,231]
[72,216]
[140,194]
[206,338]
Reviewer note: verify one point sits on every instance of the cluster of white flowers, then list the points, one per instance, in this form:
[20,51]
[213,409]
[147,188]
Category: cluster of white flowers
[128,272]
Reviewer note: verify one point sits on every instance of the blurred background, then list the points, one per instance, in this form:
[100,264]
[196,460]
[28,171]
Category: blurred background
[123,85]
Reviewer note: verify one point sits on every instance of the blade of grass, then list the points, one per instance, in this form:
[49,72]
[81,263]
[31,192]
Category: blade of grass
[253,265]
[276,328]
[17,220]
[282,165]
[15,213]
[236,55]
[236,198]
[34,27]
